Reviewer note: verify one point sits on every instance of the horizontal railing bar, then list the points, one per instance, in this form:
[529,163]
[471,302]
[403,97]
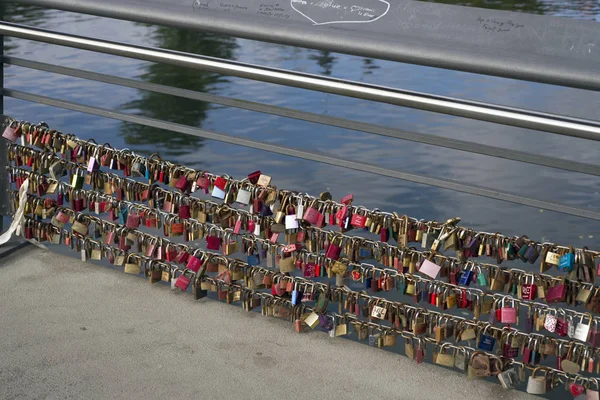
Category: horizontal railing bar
[440,141]
[553,50]
[292,152]
[569,126]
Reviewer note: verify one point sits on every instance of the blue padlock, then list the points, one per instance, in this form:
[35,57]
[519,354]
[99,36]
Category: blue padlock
[253,259]
[486,342]
[466,277]
[296,296]
[567,262]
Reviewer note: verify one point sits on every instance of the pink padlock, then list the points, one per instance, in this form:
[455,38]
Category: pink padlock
[133,221]
[430,269]
[312,215]
[508,315]
[182,282]
[194,264]
[12,132]
[62,217]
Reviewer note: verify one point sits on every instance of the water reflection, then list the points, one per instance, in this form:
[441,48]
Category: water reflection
[172,108]
[11,12]
[325,60]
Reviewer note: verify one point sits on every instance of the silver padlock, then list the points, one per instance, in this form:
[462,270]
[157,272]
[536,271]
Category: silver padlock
[537,384]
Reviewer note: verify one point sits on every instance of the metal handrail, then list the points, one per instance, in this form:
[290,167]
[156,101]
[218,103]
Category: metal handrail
[552,50]
[569,126]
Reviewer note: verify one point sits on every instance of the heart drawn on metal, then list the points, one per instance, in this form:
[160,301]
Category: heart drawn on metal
[322,12]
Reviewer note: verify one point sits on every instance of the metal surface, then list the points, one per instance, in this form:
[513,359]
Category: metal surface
[292,152]
[536,48]
[440,141]
[568,126]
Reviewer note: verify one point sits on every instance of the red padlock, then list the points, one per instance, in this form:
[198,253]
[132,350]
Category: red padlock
[183,183]
[184,211]
[358,221]
[220,182]
[194,264]
[529,290]
[341,214]
[182,282]
[203,182]
[213,242]
[253,177]
[334,251]
[312,215]
[182,257]
[170,253]
[347,200]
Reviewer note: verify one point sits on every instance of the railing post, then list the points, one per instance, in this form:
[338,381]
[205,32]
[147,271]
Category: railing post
[4,184]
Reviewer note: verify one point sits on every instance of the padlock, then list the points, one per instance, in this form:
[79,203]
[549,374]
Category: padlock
[550,321]
[537,384]
[133,221]
[312,214]
[582,331]
[182,183]
[193,263]
[567,261]
[486,342]
[593,393]
[466,276]
[510,351]
[479,365]
[219,186]
[182,282]
[132,267]
[594,338]
[528,290]
[562,324]
[253,177]
[198,290]
[508,379]
[263,180]
[508,315]
[430,269]
[532,253]
[213,242]
[80,227]
[557,293]
[77,180]
[358,220]
[334,250]
[576,389]
[243,196]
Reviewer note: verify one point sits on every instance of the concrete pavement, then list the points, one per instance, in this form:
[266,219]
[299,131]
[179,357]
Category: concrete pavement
[77,330]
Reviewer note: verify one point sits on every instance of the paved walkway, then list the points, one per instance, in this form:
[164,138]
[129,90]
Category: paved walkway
[76,330]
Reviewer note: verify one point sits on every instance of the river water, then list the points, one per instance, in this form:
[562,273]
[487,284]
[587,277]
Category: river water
[369,190]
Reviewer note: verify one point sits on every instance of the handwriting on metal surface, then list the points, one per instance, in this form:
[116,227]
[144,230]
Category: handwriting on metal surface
[322,12]
[498,24]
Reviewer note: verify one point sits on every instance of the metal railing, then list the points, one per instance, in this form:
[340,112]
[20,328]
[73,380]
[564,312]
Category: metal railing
[579,73]
[558,124]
